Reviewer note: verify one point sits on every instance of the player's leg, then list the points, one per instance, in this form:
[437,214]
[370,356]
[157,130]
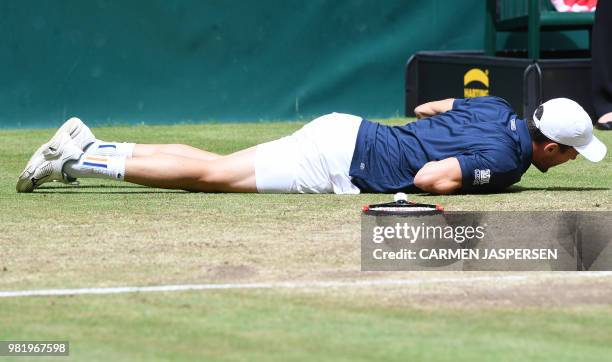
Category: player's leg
[183,167]
[63,160]
[231,173]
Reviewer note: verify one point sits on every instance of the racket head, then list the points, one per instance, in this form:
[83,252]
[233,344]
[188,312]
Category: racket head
[402,208]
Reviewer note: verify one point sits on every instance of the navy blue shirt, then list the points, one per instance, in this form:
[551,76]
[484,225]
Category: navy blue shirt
[492,145]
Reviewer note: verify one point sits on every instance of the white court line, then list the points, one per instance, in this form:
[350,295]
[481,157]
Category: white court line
[290,285]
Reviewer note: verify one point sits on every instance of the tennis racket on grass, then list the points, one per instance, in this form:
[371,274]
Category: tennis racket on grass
[402,207]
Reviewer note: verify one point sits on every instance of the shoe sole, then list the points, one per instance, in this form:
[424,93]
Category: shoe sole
[24,183]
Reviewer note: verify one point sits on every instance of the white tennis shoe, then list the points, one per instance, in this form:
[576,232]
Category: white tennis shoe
[47,162]
[76,129]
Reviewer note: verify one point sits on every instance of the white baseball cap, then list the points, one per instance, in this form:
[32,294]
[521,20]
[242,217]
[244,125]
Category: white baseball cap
[566,122]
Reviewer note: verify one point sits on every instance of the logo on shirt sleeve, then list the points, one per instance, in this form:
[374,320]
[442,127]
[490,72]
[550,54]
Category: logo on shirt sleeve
[482,177]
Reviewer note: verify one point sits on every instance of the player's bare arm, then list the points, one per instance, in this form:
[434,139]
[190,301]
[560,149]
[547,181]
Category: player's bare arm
[439,177]
[432,108]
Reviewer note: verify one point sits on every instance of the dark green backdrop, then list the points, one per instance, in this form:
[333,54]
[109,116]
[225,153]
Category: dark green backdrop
[111,61]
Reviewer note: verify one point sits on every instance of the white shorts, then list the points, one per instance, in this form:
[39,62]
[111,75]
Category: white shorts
[314,159]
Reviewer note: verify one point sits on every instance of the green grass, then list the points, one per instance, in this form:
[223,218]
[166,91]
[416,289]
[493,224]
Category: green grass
[235,326]
[112,234]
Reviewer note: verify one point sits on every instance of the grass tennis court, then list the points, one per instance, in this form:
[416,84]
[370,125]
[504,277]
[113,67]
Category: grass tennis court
[106,234]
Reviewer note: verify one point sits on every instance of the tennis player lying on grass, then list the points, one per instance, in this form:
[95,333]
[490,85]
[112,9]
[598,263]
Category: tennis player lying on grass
[458,145]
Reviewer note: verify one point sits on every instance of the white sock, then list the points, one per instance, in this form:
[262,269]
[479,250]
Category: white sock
[102,148]
[104,167]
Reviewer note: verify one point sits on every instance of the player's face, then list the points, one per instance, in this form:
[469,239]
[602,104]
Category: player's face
[552,155]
